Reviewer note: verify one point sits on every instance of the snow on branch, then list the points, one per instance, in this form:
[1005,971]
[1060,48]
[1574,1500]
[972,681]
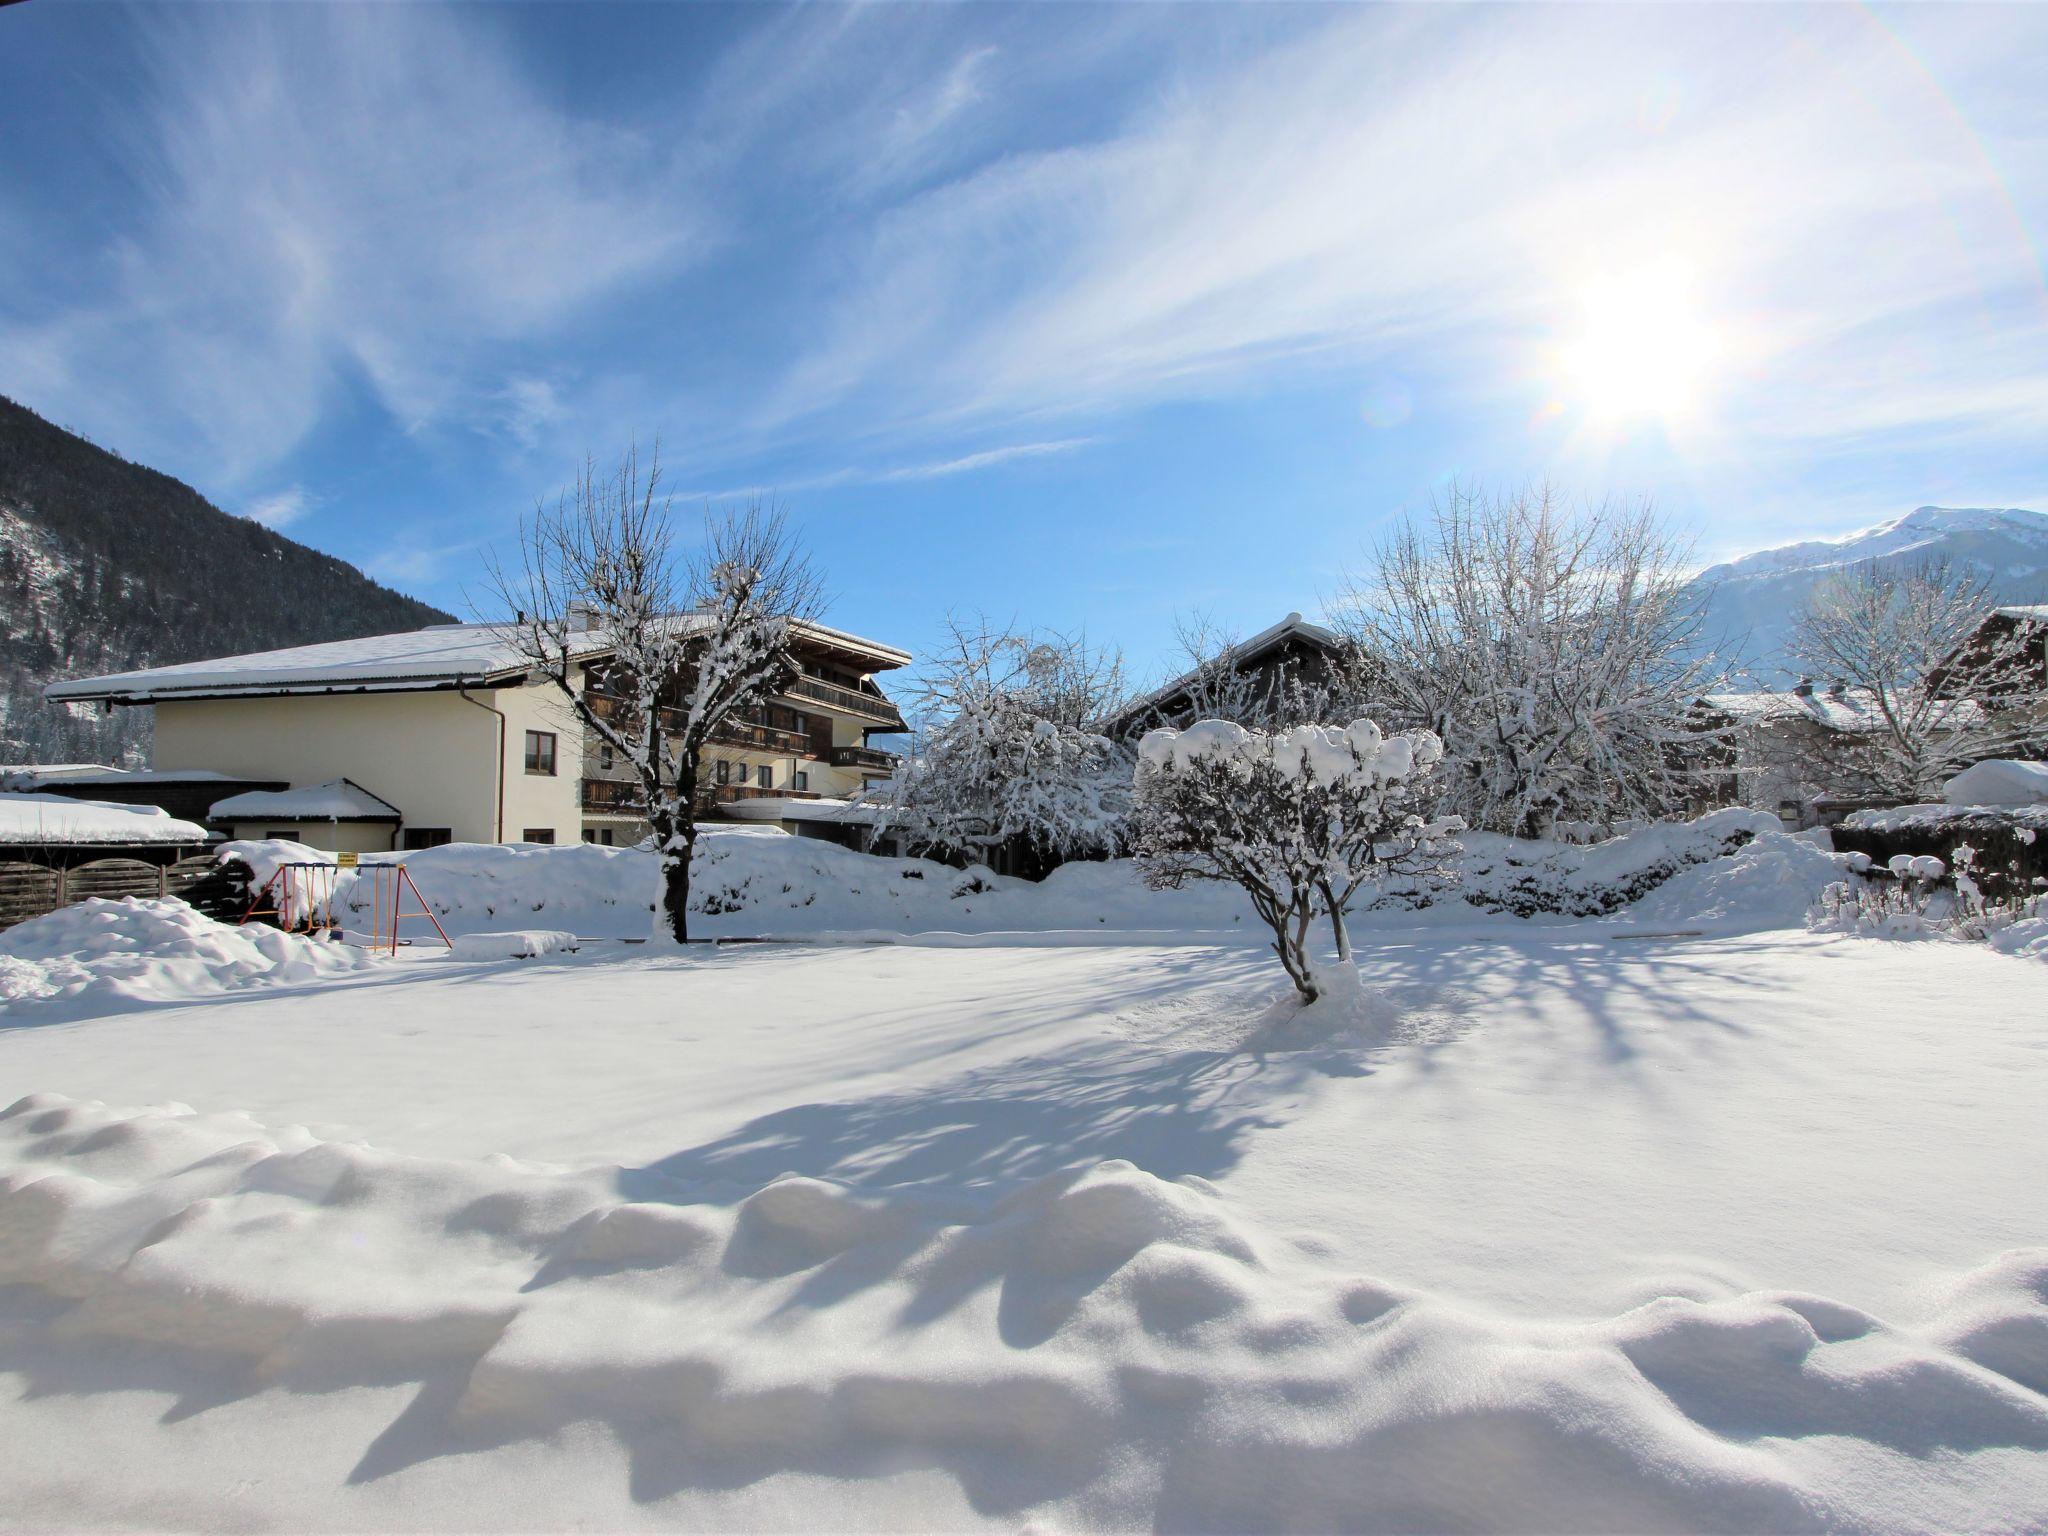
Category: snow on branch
[1302,819]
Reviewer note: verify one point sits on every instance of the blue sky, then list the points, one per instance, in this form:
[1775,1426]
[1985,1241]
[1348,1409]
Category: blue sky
[1089,316]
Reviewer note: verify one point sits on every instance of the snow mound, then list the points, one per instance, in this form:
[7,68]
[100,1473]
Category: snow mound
[750,883]
[519,944]
[136,950]
[1099,1347]
[2000,781]
[2026,938]
[1772,881]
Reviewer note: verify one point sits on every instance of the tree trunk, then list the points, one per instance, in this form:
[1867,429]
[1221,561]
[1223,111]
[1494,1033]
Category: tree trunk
[673,841]
[675,893]
[1337,924]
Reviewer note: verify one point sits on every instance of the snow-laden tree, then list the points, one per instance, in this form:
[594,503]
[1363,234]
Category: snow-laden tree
[1301,819]
[1557,653]
[1946,687]
[1011,748]
[651,651]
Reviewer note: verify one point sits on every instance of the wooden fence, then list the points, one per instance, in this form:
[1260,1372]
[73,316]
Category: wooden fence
[29,890]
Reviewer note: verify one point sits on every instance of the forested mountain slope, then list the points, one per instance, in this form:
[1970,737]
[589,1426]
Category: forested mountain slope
[107,565]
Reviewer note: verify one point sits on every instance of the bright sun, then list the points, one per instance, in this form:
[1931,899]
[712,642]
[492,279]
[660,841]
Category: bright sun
[1641,349]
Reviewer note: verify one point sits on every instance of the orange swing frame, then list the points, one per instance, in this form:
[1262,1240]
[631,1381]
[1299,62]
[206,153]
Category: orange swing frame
[304,902]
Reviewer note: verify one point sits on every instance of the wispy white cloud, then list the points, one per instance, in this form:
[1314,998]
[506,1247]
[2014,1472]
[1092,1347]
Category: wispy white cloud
[1446,183]
[988,458]
[280,509]
[332,198]
[931,469]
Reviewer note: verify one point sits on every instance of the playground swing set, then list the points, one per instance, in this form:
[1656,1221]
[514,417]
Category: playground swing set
[302,897]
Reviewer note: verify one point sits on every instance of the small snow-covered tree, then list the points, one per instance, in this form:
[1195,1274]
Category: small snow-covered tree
[650,651]
[1011,746]
[1946,688]
[1300,819]
[1556,653]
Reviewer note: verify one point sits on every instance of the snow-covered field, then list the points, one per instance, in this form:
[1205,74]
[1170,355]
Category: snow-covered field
[1673,1217]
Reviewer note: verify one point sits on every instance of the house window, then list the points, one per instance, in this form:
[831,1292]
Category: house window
[289,834]
[428,837]
[765,776]
[722,771]
[590,834]
[540,752]
[537,835]
[803,779]
[604,754]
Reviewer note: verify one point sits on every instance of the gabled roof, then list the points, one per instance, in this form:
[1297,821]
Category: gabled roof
[1852,711]
[442,656]
[1241,655]
[336,800]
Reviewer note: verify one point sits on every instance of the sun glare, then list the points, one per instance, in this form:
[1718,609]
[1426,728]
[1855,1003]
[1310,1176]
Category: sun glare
[1642,349]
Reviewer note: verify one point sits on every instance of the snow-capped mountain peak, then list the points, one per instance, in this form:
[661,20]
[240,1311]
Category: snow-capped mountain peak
[1754,600]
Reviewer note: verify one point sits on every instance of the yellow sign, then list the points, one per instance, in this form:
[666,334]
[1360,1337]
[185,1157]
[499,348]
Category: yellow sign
[345,861]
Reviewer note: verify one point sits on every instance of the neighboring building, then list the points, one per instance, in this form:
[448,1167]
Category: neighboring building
[1292,652]
[1794,752]
[341,815]
[191,795]
[440,735]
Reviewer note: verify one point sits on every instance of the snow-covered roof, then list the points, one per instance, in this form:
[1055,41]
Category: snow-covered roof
[441,656]
[1243,654]
[33,776]
[336,800]
[1999,781]
[1851,710]
[60,819]
[50,773]
[778,808]
[2036,613]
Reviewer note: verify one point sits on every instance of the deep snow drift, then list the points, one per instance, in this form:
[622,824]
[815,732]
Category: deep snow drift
[1745,872]
[1577,1225]
[99,953]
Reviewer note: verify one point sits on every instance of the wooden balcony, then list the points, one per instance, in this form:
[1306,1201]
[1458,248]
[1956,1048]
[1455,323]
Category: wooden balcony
[616,797]
[869,703]
[730,733]
[762,738]
[613,797]
[866,759]
[725,794]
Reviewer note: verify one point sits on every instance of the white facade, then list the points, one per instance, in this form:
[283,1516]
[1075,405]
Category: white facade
[456,739]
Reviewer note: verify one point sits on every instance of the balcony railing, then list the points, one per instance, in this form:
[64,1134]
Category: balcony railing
[765,738]
[725,794]
[617,797]
[620,796]
[867,759]
[853,701]
[730,733]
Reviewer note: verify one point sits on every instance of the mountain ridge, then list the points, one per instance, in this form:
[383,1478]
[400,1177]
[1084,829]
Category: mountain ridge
[1752,602]
[106,565]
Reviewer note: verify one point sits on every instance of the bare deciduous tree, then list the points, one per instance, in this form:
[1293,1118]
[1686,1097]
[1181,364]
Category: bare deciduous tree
[651,650]
[1944,690]
[1012,745]
[1556,653]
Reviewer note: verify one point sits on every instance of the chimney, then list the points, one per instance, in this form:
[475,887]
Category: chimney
[581,615]
[1837,688]
[1803,689]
